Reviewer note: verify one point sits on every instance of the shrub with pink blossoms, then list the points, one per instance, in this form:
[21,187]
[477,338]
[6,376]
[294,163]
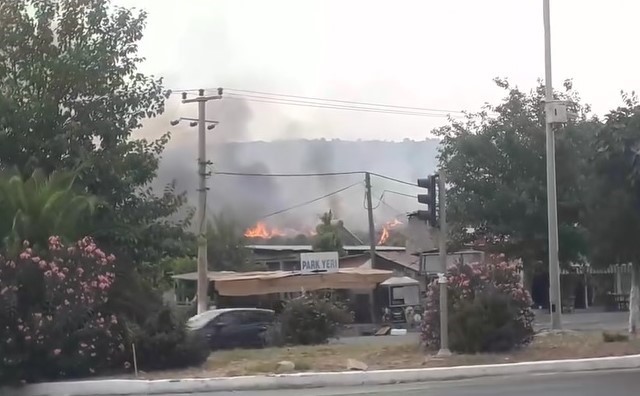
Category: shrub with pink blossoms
[489,309]
[52,318]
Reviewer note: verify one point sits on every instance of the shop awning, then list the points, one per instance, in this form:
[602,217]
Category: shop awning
[255,283]
[400,281]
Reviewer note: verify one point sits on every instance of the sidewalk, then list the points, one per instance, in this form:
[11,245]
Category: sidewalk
[317,380]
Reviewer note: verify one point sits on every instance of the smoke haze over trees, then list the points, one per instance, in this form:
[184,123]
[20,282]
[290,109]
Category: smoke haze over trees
[250,198]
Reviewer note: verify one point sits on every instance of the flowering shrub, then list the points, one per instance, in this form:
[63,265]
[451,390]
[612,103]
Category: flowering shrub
[489,310]
[52,322]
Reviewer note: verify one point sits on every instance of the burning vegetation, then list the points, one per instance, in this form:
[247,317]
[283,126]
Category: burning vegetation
[262,231]
[386,230]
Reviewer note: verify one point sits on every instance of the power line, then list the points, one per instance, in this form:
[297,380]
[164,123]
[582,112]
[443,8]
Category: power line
[336,107]
[397,212]
[319,174]
[399,193]
[270,97]
[364,201]
[311,201]
[382,196]
[344,101]
[248,174]
[394,179]
[391,109]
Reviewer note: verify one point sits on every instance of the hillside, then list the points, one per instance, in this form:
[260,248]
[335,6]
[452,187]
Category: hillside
[250,198]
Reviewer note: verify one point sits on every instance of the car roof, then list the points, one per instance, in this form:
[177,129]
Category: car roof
[223,310]
[201,319]
[212,313]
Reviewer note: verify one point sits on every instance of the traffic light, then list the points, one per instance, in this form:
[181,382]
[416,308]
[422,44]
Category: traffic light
[429,199]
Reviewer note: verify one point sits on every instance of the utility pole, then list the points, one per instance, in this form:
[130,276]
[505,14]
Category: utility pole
[442,279]
[372,237]
[554,265]
[203,279]
[372,228]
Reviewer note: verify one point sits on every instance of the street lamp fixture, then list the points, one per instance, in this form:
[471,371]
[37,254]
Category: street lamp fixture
[194,122]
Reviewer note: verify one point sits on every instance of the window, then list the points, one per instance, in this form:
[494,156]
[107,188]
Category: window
[291,265]
[202,319]
[273,265]
[228,318]
[251,317]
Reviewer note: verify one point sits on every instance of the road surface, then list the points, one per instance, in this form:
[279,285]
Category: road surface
[578,321]
[600,383]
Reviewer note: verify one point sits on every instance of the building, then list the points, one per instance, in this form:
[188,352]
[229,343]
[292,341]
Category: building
[287,257]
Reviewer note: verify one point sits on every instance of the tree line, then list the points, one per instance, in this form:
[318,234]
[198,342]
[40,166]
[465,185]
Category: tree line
[496,167]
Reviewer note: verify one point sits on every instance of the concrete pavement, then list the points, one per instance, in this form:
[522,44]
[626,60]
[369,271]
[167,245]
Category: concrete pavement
[610,383]
[586,321]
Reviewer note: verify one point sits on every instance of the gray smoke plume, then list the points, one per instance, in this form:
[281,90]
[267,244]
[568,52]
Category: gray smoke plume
[231,146]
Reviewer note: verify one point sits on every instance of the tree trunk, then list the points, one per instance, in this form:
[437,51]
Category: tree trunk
[634,299]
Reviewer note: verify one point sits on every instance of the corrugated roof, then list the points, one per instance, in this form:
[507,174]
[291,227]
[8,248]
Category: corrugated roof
[309,248]
[267,282]
[402,258]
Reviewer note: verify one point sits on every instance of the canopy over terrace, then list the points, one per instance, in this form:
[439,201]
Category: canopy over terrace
[268,282]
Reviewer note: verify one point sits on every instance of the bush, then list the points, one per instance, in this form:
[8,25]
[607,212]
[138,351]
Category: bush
[273,336]
[52,311]
[312,319]
[489,310]
[163,342]
[614,337]
[486,324]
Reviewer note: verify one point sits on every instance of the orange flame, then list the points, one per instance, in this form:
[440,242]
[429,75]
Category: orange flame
[388,226]
[261,230]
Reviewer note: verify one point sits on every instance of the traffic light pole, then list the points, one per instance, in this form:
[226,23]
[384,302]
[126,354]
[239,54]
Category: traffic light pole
[442,278]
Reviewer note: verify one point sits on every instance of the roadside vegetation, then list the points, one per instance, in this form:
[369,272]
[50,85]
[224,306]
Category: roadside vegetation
[393,355]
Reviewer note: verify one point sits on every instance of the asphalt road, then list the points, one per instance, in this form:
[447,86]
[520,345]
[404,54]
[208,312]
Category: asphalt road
[609,383]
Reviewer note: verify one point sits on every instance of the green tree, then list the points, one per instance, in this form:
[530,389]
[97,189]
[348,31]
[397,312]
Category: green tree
[41,206]
[495,163]
[160,275]
[327,238]
[614,200]
[71,97]
[226,245]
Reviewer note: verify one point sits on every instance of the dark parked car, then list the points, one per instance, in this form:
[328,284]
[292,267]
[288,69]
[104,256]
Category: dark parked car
[233,327]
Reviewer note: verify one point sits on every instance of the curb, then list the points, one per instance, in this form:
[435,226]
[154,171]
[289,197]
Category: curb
[316,380]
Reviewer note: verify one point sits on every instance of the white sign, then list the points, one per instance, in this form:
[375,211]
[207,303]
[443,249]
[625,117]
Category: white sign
[318,262]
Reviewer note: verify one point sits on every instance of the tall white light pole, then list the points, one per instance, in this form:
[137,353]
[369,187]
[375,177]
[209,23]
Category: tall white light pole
[442,242]
[554,265]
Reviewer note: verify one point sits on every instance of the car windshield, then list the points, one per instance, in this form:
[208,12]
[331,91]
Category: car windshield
[198,321]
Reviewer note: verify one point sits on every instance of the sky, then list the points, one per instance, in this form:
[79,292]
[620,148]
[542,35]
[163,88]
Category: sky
[423,53]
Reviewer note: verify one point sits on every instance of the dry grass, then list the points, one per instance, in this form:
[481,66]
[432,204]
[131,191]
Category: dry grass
[376,356]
